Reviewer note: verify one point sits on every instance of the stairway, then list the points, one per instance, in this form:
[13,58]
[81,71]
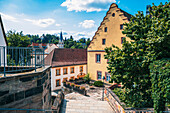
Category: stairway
[82,104]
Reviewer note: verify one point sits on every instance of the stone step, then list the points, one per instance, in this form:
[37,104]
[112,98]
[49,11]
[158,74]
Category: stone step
[86,106]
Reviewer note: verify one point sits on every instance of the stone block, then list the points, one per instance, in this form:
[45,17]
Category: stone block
[19,95]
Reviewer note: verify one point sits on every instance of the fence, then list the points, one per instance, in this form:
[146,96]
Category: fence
[15,110]
[20,59]
[119,107]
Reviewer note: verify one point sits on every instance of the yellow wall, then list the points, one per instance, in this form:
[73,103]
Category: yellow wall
[112,36]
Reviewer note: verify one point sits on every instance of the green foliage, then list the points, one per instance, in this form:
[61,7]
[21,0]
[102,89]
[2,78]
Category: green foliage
[160,78]
[87,78]
[98,83]
[17,39]
[149,42]
[119,92]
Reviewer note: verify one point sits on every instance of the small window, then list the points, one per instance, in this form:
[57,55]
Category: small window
[72,69]
[105,29]
[122,39]
[107,77]
[81,68]
[103,41]
[57,82]
[64,71]
[98,58]
[121,26]
[99,75]
[57,71]
[113,14]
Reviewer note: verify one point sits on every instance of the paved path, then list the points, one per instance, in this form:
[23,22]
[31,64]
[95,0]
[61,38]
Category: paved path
[77,103]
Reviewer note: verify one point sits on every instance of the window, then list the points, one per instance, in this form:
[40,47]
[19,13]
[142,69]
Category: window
[64,71]
[113,14]
[98,57]
[121,26]
[57,82]
[122,39]
[72,69]
[57,71]
[107,77]
[99,75]
[105,29]
[81,68]
[103,41]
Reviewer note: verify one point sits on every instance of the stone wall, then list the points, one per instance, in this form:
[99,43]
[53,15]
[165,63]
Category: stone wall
[30,90]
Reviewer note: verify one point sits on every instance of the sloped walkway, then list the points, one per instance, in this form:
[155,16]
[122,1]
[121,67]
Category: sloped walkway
[77,103]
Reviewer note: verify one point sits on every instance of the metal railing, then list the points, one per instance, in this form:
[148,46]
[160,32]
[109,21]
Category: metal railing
[15,110]
[20,59]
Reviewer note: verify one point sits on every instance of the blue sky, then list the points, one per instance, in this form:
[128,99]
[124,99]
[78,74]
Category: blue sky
[79,18]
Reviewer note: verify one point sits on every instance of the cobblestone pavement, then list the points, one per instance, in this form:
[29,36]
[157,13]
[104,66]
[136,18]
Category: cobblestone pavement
[77,103]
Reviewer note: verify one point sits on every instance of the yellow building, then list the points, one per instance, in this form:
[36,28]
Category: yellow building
[109,32]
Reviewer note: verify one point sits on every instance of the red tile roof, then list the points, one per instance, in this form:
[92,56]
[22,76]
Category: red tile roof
[65,57]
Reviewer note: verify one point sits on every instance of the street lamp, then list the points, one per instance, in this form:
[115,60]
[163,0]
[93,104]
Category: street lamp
[103,88]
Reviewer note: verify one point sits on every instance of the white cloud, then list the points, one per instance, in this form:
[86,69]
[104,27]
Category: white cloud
[87,24]
[8,17]
[87,5]
[42,22]
[58,25]
[118,2]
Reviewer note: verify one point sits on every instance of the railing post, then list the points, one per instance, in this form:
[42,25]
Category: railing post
[4,63]
[43,59]
[35,59]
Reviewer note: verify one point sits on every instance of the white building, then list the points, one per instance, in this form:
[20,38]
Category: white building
[66,64]
[3,43]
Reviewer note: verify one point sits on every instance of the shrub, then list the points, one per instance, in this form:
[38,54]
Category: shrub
[64,81]
[77,86]
[68,83]
[82,87]
[98,83]
[87,78]
[72,84]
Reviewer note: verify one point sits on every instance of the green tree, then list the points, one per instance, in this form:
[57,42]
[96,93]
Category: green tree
[149,42]
[17,39]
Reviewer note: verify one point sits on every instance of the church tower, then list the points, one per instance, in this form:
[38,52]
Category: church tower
[61,42]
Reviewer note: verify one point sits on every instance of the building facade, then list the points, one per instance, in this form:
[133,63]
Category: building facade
[66,64]
[3,43]
[109,32]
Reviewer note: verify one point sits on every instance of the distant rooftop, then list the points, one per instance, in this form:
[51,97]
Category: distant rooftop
[65,57]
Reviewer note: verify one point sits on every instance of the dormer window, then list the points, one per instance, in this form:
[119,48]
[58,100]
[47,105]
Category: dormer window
[105,29]
[121,26]
[113,14]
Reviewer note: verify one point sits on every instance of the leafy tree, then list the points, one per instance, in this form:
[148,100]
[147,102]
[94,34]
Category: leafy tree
[149,42]
[160,78]
[17,39]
